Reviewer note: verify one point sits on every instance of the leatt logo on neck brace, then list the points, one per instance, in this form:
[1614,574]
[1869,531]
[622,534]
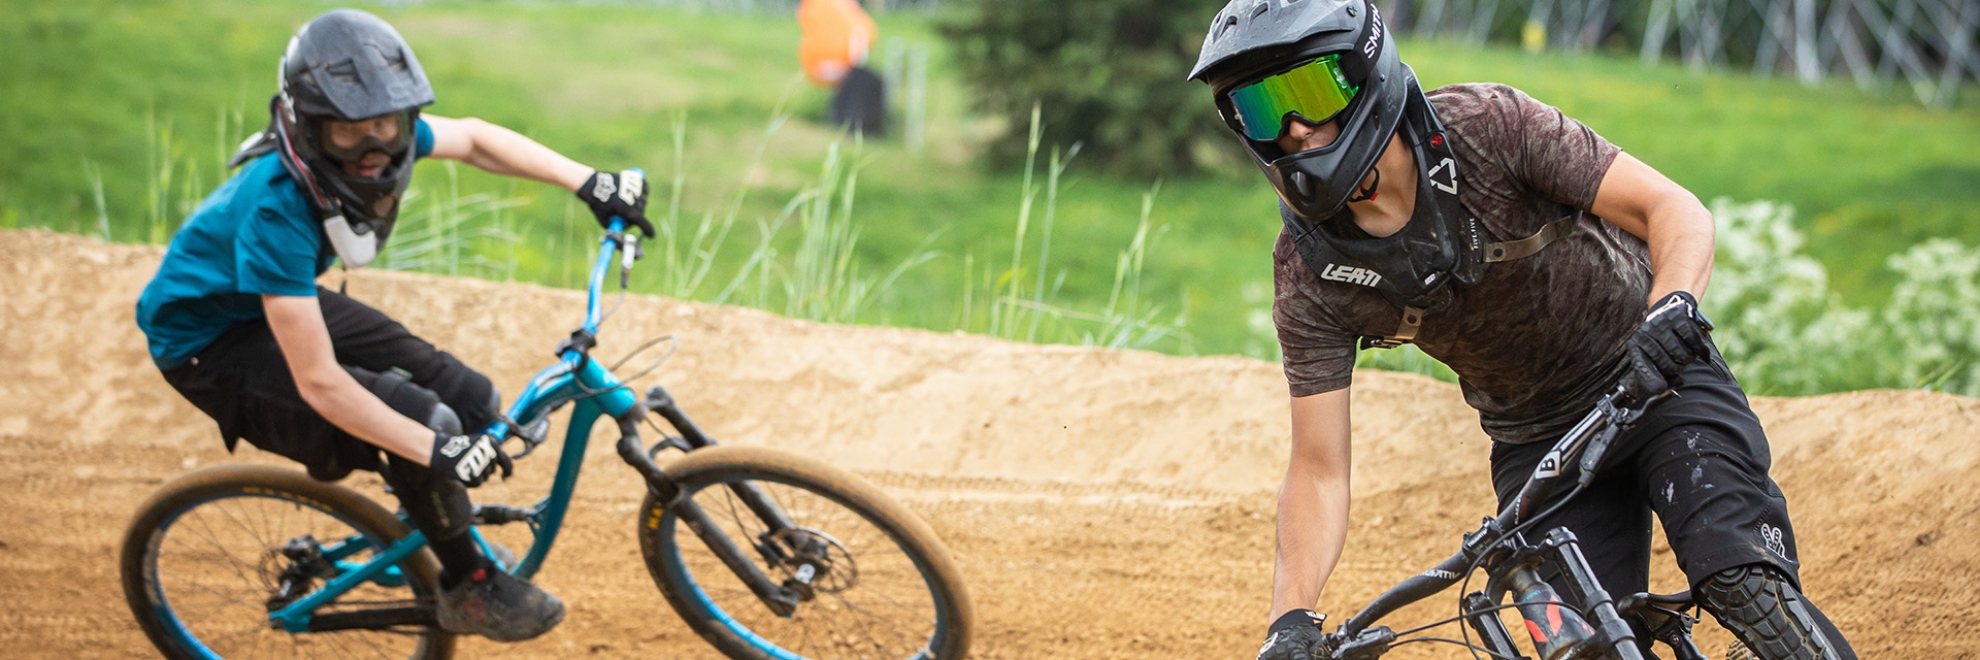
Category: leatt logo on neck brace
[1351,275]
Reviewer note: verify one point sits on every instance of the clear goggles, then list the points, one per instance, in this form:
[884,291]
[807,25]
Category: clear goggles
[350,141]
[1316,91]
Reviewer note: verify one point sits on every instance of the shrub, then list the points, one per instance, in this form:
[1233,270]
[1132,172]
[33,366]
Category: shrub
[1108,74]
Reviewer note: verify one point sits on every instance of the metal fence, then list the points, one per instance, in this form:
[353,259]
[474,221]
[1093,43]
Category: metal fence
[1926,45]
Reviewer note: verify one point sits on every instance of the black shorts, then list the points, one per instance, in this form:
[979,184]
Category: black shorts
[243,382]
[1699,462]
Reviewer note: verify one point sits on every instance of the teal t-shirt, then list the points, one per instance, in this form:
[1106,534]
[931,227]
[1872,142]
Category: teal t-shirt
[255,235]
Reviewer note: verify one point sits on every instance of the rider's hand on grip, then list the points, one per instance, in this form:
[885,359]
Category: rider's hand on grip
[1296,636]
[469,459]
[1672,336]
[621,194]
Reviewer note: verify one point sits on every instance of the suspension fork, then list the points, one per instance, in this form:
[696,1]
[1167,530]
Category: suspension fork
[1594,624]
[1596,604]
[1483,616]
[779,599]
[692,438]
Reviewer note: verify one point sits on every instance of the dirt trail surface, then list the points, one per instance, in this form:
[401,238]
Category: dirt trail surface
[1102,504]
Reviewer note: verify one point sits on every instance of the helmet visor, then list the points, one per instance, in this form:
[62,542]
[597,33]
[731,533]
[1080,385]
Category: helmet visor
[1316,91]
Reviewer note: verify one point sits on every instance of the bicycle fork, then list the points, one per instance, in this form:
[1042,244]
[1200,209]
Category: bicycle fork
[780,599]
[1558,632]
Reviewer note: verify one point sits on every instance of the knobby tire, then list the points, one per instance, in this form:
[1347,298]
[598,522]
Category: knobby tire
[906,574]
[198,504]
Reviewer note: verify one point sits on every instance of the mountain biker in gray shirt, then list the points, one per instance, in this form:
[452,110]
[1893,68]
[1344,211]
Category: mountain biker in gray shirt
[1544,265]
[237,324]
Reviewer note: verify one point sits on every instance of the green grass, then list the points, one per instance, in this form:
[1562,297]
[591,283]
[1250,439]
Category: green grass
[136,105]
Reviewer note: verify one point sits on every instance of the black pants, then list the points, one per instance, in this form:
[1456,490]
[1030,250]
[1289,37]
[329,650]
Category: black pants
[1699,462]
[243,382]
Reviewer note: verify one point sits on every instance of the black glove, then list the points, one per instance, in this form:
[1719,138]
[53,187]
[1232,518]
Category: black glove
[469,459]
[1296,636]
[622,195]
[1672,336]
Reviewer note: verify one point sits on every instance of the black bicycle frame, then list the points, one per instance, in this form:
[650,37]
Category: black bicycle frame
[1513,564]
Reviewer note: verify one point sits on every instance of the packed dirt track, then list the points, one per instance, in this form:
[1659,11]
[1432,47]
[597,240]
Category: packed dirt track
[1102,504]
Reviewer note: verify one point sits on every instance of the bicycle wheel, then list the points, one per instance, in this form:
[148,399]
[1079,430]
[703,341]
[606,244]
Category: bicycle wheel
[880,584]
[209,556]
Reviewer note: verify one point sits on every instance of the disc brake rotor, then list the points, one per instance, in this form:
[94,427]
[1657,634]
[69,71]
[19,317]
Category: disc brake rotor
[817,560]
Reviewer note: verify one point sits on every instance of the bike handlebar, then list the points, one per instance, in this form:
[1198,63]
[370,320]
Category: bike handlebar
[1579,453]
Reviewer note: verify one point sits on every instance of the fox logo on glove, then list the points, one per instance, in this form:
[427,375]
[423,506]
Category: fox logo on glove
[632,187]
[478,458]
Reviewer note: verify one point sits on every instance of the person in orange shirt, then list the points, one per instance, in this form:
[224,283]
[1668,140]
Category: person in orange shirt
[837,35]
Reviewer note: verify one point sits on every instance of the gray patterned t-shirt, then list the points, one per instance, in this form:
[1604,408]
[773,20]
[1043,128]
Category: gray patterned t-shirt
[1540,339]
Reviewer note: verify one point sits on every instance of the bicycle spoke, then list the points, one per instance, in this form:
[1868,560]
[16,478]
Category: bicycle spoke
[220,562]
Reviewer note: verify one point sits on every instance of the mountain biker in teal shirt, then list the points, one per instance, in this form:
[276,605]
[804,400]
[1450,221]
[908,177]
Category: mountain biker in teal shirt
[1545,266]
[237,324]
[254,235]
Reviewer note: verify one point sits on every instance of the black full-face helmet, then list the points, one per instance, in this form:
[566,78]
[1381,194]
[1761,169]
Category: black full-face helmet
[1254,41]
[1268,61]
[347,65]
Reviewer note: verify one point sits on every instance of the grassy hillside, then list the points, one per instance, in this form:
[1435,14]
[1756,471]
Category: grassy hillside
[137,105]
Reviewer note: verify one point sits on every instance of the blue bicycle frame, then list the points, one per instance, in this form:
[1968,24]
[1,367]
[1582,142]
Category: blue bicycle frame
[575,378]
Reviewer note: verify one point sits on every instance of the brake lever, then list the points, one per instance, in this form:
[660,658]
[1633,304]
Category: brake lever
[629,251]
[532,436]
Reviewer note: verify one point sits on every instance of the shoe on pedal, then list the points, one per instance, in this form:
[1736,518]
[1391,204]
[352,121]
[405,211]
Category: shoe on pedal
[499,606]
[503,556]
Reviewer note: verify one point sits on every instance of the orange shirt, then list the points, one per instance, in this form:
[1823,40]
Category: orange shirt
[836,37]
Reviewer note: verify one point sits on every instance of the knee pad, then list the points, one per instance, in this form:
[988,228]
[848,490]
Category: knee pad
[1761,606]
[471,394]
[396,389]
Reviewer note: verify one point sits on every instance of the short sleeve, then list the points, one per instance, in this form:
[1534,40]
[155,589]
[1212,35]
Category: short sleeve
[1555,154]
[1317,350]
[422,139]
[1537,146]
[275,255]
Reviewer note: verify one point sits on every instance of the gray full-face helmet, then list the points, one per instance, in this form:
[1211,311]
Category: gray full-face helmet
[347,65]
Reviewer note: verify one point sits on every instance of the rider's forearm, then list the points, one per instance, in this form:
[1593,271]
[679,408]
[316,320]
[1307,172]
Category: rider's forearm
[358,412]
[1669,218]
[297,323]
[1313,503]
[502,151]
[1312,529]
[1681,235]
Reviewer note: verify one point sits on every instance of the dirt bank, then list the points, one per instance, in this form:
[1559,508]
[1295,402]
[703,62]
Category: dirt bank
[1102,503]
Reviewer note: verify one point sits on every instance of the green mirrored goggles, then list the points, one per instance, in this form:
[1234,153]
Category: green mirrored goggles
[1316,90]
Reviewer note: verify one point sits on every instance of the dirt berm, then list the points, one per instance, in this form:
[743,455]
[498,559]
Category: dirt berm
[1102,504]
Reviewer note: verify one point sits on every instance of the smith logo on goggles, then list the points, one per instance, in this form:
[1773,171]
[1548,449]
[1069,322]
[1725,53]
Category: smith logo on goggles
[1315,91]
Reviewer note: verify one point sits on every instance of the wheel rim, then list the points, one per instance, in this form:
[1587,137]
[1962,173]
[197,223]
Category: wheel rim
[890,612]
[212,565]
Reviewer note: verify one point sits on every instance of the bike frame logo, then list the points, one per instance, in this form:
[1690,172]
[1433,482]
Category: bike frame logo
[1550,465]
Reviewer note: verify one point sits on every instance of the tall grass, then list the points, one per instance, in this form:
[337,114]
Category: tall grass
[451,233]
[1021,305]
